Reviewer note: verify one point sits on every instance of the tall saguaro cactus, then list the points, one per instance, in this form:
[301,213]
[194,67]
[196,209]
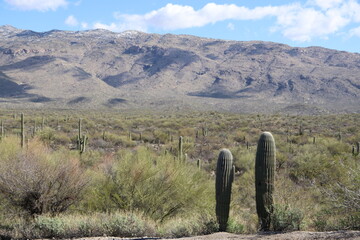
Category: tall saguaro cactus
[224,179]
[264,179]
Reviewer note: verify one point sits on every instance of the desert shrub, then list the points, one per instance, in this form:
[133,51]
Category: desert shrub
[188,132]
[156,185]
[286,218]
[118,224]
[99,143]
[53,138]
[243,159]
[197,224]
[160,136]
[38,182]
[60,139]
[127,225]
[336,147]
[234,226]
[243,208]
[343,199]
[46,135]
[118,140]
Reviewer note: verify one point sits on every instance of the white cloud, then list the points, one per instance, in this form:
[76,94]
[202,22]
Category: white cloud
[298,22]
[326,4]
[304,24]
[355,32]
[172,17]
[71,21]
[38,5]
[231,26]
[84,25]
[112,27]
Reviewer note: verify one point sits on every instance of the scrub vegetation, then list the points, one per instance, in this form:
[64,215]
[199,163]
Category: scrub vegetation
[68,174]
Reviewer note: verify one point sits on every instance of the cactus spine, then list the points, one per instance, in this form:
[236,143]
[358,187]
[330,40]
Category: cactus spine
[224,179]
[264,179]
[22,130]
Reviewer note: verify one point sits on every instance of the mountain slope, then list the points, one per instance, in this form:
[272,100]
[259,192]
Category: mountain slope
[102,69]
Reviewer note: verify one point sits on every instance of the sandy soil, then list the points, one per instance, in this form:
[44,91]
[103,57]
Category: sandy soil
[270,236]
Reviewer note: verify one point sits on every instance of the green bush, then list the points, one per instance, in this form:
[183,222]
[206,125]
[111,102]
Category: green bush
[117,224]
[286,218]
[199,224]
[233,226]
[156,185]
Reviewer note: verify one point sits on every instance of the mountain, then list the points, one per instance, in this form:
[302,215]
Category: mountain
[99,69]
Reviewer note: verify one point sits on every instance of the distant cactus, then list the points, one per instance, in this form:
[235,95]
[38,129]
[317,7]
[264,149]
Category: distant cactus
[83,142]
[22,130]
[264,178]
[340,135]
[81,139]
[204,131]
[180,150]
[34,129]
[224,179]
[42,123]
[2,130]
[357,148]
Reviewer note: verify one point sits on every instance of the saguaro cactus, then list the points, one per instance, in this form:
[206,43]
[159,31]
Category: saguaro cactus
[198,163]
[180,153]
[22,131]
[81,140]
[2,130]
[264,179]
[224,179]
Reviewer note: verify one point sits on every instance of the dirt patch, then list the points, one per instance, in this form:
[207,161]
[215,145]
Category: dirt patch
[271,236]
[282,236]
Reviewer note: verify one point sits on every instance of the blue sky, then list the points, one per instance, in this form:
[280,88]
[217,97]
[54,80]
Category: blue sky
[328,23]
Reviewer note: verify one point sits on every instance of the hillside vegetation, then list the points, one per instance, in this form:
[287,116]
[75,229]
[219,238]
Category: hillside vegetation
[123,174]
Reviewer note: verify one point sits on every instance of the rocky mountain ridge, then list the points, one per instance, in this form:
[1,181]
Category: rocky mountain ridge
[133,70]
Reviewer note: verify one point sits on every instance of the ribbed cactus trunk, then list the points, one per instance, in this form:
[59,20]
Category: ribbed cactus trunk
[264,179]
[224,179]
